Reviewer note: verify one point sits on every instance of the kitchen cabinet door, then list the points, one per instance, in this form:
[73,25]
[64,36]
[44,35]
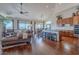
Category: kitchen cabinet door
[76,20]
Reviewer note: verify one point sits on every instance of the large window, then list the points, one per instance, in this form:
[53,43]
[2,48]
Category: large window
[8,28]
[24,25]
[28,26]
[8,24]
[39,26]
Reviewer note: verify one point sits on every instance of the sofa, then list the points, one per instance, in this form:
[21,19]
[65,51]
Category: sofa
[19,39]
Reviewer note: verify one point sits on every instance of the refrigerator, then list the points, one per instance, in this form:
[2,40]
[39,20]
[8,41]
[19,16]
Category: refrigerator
[76,30]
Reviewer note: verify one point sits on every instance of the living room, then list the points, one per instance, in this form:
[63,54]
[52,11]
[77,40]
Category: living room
[38,28]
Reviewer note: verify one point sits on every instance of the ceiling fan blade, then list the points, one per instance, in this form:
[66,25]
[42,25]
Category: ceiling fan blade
[21,12]
[26,12]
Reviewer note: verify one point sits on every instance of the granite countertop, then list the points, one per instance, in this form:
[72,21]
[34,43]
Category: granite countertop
[71,28]
[52,31]
[57,31]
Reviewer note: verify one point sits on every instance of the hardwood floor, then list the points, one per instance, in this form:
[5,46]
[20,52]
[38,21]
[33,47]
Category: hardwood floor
[44,47]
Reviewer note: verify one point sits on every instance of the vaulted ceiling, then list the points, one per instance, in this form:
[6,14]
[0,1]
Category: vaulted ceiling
[36,10]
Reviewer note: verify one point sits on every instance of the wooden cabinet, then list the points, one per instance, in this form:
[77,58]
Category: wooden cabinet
[71,20]
[76,20]
[65,21]
[65,35]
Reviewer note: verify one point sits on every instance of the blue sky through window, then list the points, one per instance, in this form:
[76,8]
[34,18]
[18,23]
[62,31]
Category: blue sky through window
[8,24]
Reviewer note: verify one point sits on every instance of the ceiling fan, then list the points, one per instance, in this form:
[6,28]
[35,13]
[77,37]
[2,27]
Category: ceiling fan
[21,9]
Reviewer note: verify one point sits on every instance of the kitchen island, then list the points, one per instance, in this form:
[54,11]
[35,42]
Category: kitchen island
[51,35]
[66,34]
